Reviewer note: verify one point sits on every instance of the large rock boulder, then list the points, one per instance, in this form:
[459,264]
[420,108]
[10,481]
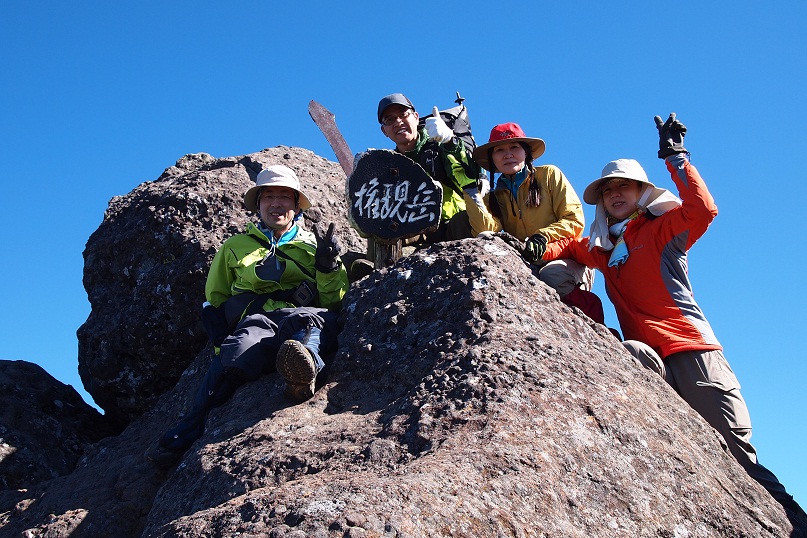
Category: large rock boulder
[44,426]
[145,268]
[465,400]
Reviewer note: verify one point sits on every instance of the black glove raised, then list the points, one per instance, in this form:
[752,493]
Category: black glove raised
[327,256]
[534,248]
[671,136]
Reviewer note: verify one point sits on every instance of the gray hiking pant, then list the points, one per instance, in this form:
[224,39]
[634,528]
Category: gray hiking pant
[253,346]
[564,275]
[706,382]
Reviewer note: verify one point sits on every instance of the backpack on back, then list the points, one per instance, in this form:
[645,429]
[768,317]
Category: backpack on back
[457,120]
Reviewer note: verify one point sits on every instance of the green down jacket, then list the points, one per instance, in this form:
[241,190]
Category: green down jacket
[233,270]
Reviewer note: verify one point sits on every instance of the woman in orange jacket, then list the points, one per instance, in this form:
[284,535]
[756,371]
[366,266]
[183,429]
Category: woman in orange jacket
[639,241]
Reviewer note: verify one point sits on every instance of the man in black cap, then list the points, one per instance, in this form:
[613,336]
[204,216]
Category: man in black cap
[444,157]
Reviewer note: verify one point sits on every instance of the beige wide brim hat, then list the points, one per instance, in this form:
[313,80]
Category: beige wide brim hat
[652,199]
[618,169]
[275,175]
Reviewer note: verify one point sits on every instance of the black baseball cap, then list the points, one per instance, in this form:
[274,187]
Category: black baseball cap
[393,99]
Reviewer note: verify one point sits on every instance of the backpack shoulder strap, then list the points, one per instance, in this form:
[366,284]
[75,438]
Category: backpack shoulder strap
[283,255]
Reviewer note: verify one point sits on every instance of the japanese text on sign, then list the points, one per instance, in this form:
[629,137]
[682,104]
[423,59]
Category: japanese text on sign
[397,201]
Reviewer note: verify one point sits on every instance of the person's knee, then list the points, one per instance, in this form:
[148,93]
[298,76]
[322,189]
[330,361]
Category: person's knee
[637,348]
[646,355]
[298,323]
[558,278]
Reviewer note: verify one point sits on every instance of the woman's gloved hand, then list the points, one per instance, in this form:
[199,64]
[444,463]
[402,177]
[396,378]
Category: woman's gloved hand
[671,136]
[534,248]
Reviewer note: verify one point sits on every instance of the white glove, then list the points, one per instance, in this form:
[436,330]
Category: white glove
[481,187]
[437,128]
[478,191]
[483,184]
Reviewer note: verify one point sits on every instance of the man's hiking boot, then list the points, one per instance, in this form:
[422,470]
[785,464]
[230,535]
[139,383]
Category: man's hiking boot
[795,513]
[298,369]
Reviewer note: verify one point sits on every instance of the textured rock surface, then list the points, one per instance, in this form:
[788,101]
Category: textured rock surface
[145,267]
[465,400]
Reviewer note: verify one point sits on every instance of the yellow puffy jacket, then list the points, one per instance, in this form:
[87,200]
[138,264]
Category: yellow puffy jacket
[558,215]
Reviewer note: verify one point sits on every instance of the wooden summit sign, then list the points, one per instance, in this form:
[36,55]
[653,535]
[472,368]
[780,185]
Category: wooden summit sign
[392,197]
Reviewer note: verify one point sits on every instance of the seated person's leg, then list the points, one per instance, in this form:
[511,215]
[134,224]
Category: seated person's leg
[241,359]
[648,357]
[305,333]
[252,346]
[563,275]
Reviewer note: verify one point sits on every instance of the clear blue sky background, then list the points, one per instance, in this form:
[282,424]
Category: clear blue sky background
[98,97]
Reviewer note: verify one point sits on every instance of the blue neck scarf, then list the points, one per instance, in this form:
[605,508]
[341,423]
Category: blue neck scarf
[513,184]
[285,238]
[619,254]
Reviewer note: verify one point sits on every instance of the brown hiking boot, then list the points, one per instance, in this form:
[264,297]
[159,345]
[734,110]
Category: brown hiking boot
[297,368]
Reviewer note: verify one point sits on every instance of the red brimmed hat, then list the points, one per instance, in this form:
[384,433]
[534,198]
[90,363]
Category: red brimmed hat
[507,132]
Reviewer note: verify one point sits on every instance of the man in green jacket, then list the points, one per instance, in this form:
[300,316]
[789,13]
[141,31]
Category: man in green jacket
[273,294]
[444,157]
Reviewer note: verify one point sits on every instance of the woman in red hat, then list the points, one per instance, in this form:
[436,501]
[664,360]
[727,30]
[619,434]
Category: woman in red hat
[536,204]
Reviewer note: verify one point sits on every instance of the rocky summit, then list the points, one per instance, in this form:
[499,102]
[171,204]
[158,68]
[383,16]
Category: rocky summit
[464,400]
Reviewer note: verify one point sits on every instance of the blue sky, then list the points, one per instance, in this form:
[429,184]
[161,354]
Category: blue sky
[97,98]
